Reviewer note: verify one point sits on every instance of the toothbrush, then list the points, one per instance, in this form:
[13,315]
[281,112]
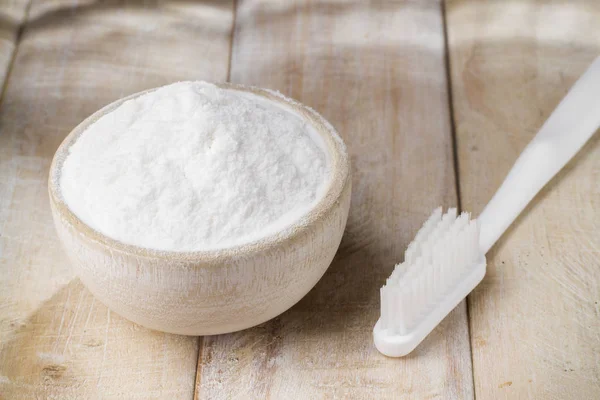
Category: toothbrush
[446,260]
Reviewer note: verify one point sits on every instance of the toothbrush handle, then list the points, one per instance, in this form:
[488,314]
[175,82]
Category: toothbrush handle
[571,124]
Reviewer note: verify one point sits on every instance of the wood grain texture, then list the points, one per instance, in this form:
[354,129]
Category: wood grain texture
[536,316]
[12,15]
[377,73]
[74,57]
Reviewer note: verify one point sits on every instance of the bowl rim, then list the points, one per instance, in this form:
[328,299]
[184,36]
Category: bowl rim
[339,178]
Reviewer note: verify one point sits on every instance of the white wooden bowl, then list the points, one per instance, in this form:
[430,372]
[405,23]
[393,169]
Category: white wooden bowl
[217,291]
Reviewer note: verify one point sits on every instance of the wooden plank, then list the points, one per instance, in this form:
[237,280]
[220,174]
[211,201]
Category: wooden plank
[536,316]
[12,14]
[74,57]
[377,73]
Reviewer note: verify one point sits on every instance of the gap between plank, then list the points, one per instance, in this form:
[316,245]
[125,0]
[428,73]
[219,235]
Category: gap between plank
[198,368]
[13,56]
[451,106]
[231,38]
[455,159]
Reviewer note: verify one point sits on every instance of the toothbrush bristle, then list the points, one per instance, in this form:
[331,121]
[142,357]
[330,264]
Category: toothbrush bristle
[444,249]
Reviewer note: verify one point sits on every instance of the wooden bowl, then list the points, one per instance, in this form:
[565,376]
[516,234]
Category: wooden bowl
[215,291]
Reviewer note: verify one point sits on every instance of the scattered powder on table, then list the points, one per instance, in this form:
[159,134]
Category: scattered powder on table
[191,166]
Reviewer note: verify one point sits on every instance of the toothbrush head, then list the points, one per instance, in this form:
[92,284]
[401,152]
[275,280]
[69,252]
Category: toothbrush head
[442,265]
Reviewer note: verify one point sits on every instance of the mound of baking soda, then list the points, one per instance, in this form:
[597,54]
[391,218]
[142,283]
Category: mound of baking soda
[192,166]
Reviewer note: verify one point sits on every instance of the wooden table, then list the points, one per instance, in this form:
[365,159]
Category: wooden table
[435,102]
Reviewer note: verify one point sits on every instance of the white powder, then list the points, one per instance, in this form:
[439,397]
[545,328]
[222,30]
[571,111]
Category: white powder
[191,166]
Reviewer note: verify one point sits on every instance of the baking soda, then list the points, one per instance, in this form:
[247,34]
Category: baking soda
[191,166]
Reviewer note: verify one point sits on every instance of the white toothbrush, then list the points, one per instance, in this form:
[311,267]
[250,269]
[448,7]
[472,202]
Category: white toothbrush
[446,260]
